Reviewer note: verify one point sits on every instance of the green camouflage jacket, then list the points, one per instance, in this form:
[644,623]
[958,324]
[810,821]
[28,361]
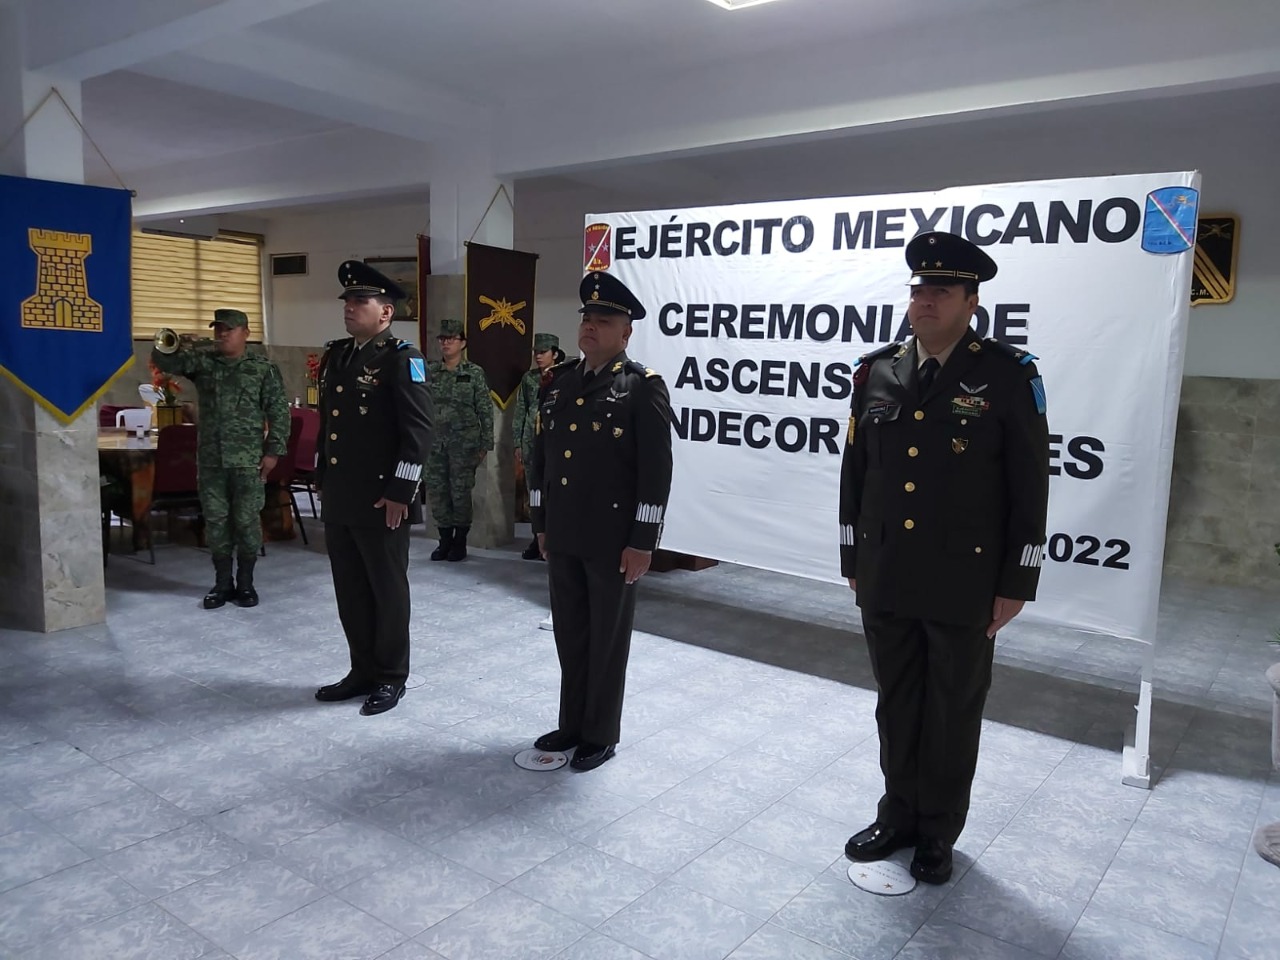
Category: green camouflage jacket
[239,400]
[463,410]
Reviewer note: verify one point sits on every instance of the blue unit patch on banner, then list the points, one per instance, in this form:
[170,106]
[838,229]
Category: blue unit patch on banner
[65,308]
[1169,224]
[417,370]
[1037,391]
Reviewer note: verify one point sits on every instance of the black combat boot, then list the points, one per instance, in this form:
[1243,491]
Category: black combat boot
[223,589]
[531,552]
[446,542]
[458,549]
[246,595]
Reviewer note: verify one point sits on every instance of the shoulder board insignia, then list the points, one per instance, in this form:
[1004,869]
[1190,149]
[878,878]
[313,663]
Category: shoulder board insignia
[641,370]
[402,344]
[617,366]
[880,352]
[1022,356]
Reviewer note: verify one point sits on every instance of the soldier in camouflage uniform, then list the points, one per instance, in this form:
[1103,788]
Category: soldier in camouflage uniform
[546,353]
[240,394]
[464,436]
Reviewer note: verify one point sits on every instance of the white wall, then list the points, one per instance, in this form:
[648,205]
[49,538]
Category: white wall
[1232,138]
[305,311]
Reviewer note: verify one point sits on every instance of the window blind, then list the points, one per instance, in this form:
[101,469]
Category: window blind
[178,282]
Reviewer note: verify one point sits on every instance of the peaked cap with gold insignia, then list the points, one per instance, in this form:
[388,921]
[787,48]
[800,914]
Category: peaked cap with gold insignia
[606,293]
[943,259]
[361,280]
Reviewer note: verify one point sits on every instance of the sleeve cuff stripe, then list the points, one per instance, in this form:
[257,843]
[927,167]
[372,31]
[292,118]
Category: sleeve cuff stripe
[1032,555]
[409,471]
[535,498]
[649,512]
[847,538]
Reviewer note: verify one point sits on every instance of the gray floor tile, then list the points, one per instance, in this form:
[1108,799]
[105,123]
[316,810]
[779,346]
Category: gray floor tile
[273,821]
[947,941]
[136,816]
[66,901]
[717,805]
[73,792]
[585,884]
[327,929]
[173,860]
[340,853]
[30,854]
[674,923]
[653,841]
[1013,912]
[596,946]
[417,890]
[501,847]
[796,835]
[143,933]
[574,807]
[751,880]
[1103,934]
[771,943]
[833,912]
[231,904]
[503,926]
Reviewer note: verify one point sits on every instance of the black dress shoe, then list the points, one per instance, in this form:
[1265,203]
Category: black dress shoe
[877,842]
[383,698]
[932,862]
[347,688]
[531,552]
[557,741]
[590,755]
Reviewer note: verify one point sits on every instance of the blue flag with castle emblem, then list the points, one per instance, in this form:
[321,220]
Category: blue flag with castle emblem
[1169,224]
[65,306]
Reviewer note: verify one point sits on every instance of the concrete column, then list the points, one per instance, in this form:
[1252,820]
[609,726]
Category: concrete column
[51,557]
[461,190]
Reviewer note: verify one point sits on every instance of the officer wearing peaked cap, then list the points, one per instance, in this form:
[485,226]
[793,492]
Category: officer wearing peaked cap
[944,487]
[598,488]
[375,427]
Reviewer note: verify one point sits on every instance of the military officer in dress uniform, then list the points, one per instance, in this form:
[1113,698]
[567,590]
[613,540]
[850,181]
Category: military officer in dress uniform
[944,488]
[546,353]
[598,489]
[375,428]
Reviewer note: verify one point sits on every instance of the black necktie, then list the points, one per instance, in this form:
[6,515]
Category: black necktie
[928,371]
[588,377]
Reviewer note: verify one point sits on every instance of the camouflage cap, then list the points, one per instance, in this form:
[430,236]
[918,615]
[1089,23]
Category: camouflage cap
[543,342]
[449,327]
[229,318]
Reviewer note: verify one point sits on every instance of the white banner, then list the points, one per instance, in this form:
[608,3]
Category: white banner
[758,312]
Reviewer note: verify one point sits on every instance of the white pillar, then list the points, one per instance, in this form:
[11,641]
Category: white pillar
[51,567]
[463,207]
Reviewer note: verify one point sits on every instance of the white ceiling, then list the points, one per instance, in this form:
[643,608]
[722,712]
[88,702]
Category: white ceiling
[205,105]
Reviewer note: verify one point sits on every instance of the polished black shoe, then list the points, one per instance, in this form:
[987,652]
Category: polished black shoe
[383,698]
[932,862]
[531,552]
[345,689]
[588,756]
[877,842]
[557,741]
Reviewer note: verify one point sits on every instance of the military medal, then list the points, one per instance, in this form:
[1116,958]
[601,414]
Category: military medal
[959,444]
[970,405]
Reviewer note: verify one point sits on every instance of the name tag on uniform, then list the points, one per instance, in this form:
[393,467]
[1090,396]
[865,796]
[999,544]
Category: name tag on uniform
[417,370]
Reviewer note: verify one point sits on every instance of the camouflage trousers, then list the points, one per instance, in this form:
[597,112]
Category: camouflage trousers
[449,476]
[231,499]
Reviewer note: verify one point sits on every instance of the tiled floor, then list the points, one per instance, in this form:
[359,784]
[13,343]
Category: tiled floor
[169,789]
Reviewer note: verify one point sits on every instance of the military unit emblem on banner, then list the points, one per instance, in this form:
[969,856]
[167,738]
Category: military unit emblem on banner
[65,324]
[499,320]
[596,252]
[1213,279]
[1169,221]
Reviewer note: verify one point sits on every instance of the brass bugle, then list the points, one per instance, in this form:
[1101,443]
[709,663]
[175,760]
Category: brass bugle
[168,341]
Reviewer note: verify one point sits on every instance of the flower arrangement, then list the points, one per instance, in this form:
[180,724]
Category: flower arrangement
[313,369]
[167,385]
